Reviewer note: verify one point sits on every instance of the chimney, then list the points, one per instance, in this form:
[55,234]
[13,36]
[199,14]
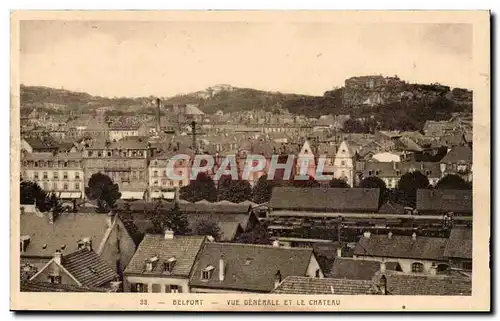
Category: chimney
[193,127]
[389,235]
[433,270]
[422,166]
[277,279]
[86,243]
[414,236]
[394,165]
[158,121]
[169,234]
[58,257]
[367,234]
[382,267]
[339,252]
[221,268]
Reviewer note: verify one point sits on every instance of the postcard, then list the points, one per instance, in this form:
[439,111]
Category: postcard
[250,160]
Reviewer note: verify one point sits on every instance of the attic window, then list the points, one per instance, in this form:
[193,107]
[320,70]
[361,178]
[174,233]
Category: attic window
[169,265]
[206,273]
[91,269]
[150,263]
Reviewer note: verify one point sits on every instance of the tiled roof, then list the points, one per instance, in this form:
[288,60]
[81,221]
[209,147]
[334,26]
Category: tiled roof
[183,248]
[400,246]
[444,200]
[249,267]
[325,199]
[307,285]
[459,244]
[88,268]
[348,268]
[458,154]
[391,169]
[404,284]
[51,287]
[213,208]
[67,230]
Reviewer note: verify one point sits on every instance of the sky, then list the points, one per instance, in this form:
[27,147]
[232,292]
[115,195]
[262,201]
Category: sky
[166,58]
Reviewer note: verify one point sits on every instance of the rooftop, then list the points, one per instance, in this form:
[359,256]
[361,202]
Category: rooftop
[249,267]
[307,285]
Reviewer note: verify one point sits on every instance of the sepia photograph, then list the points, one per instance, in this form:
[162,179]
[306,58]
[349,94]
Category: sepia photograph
[250,161]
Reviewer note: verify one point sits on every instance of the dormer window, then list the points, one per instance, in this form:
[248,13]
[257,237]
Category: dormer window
[169,265]
[206,273]
[150,263]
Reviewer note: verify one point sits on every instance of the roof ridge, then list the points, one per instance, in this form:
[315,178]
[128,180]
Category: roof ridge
[262,246]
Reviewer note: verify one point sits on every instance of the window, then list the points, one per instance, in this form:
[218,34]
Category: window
[164,173]
[56,175]
[156,288]
[45,175]
[138,287]
[77,175]
[417,267]
[65,164]
[99,154]
[35,175]
[54,186]
[155,183]
[65,186]
[90,153]
[181,183]
[45,186]
[77,185]
[36,164]
[54,279]
[317,273]
[175,289]
[206,273]
[169,265]
[398,172]
[109,154]
[155,173]
[65,175]
[342,163]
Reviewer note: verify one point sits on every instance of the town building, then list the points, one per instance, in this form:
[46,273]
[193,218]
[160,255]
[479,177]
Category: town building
[124,161]
[249,268]
[414,254]
[163,263]
[444,201]
[81,268]
[61,173]
[43,234]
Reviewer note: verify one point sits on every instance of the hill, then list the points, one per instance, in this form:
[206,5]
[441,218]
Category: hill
[408,105]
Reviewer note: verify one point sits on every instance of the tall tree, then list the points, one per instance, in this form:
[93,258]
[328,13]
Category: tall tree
[169,219]
[239,191]
[203,188]
[375,182]
[54,204]
[128,221]
[338,183]
[223,186]
[262,190]
[408,186]
[453,181]
[258,235]
[311,182]
[102,189]
[31,193]
[206,227]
